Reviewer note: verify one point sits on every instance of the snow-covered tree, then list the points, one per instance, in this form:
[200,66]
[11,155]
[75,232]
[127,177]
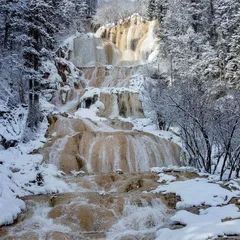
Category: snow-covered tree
[29,33]
[151,9]
[200,42]
[114,10]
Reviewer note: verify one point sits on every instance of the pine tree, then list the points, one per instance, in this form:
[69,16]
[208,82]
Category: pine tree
[227,22]
[160,10]
[29,31]
[82,9]
[41,20]
[92,7]
[12,38]
[151,9]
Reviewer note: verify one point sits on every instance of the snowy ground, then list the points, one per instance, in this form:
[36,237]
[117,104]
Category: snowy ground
[211,222]
[18,177]
[217,218]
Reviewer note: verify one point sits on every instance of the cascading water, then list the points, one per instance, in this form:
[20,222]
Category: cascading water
[95,132]
[139,222]
[111,104]
[106,150]
[108,76]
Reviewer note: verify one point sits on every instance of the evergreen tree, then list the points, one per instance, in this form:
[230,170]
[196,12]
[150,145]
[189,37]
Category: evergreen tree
[12,38]
[92,5]
[200,39]
[41,18]
[81,9]
[228,25]
[160,10]
[29,31]
[151,9]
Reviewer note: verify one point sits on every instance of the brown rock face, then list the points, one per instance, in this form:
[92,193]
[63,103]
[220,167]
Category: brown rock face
[92,217]
[77,146]
[124,104]
[95,218]
[92,214]
[131,37]
[128,43]
[25,236]
[97,52]
[118,124]
[58,236]
[170,199]
[56,212]
[3,232]
[108,77]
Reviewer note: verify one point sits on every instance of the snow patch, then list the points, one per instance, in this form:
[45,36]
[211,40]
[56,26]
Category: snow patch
[173,169]
[164,178]
[211,222]
[207,193]
[89,114]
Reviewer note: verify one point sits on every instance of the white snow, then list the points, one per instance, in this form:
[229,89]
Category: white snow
[207,193]
[89,114]
[210,223]
[119,171]
[13,123]
[18,173]
[171,168]
[50,67]
[165,178]
[90,93]
[233,185]
[220,219]
[146,125]
[10,207]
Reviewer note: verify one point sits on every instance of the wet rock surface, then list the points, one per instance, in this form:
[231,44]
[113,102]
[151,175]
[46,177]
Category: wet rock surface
[102,206]
[94,210]
[132,151]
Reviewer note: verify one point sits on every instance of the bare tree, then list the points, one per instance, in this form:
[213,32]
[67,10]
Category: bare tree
[227,130]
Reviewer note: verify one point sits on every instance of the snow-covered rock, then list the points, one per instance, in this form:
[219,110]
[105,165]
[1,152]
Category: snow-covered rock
[211,222]
[165,178]
[197,192]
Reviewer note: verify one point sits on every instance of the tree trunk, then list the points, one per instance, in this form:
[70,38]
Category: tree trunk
[223,166]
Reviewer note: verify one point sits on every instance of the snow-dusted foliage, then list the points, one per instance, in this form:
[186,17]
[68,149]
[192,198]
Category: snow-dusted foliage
[194,83]
[115,10]
[156,9]
[201,39]
[209,124]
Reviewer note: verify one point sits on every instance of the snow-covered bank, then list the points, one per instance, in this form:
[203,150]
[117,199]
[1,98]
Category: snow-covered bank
[23,173]
[217,218]
[210,223]
[211,194]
